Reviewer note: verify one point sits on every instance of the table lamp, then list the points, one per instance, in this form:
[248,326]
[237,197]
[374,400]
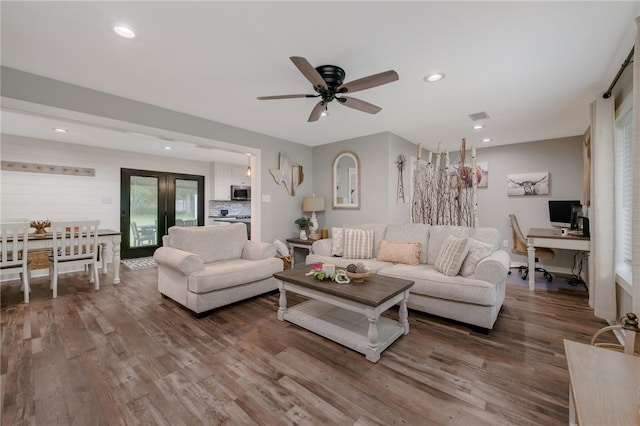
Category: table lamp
[313,204]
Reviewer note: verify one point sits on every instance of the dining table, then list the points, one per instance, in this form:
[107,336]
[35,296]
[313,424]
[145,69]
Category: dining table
[105,237]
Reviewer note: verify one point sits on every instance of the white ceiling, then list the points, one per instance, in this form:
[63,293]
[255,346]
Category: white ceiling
[534,67]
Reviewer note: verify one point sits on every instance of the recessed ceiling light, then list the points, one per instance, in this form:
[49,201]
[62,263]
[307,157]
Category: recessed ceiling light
[124,31]
[478,127]
[60,130]
[486,140]
[433,77]
[168,148]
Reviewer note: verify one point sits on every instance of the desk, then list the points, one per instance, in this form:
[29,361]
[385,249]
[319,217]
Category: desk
[604,386]
[299,243]
[550,238]
[105,236]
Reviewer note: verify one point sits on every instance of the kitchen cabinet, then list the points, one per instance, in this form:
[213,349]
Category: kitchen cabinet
[225,175]
[239,176]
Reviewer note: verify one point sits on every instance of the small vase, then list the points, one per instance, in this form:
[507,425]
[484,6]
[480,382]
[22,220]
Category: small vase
[40,231]
[303,234]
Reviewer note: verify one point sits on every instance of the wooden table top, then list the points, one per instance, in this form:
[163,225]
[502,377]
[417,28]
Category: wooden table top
[374,291]
[605,385]
[553,233]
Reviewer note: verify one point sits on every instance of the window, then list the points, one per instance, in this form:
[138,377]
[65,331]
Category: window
[623,187]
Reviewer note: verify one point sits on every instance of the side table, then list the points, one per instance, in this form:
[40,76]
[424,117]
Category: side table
[299,243]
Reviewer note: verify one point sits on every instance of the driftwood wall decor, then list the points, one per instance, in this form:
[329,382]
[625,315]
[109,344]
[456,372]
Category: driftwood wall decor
[16,166]
[288,174]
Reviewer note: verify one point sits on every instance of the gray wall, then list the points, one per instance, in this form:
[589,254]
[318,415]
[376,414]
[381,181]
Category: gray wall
[562,158]
[378,179]
[277,216]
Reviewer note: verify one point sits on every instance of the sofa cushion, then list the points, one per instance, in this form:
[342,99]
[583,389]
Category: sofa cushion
[340,262]
[477,251]
[230,273]
[379,230]
[438,234]
[337,241]
[399,252]
[486,235]
[451,256]
[358,244]
[429,282]
[211,243]
[410,232]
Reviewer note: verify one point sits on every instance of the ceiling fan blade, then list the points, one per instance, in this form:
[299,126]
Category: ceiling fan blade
[359,104]
[266,98]
[368,82]
[309,71]
[317,110]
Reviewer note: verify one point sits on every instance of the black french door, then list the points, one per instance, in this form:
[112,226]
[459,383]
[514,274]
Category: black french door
[151,202]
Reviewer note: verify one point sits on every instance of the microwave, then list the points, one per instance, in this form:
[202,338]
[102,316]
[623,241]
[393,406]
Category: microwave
[240,193]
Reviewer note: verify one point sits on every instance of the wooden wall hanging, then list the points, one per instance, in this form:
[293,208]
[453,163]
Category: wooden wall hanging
[16,166]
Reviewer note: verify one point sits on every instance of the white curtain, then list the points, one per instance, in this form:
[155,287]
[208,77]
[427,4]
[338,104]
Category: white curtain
[635,215]
[602,287]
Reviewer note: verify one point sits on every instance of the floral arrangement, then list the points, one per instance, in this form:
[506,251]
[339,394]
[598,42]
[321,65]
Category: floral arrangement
[40,225]
[320,274]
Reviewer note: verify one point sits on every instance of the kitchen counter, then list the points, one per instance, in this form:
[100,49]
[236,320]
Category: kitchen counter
[230,219]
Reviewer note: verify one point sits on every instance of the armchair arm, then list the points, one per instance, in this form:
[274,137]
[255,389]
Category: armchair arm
[254,250]
[179,260]
[494,268]
[322,247]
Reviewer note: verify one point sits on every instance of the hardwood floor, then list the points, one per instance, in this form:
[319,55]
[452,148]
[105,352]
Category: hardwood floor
[125,355]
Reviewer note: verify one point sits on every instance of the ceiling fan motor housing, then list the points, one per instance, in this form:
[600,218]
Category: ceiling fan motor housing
[331,74]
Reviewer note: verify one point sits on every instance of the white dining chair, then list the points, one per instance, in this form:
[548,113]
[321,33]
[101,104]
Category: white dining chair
[74,243]
[15,252]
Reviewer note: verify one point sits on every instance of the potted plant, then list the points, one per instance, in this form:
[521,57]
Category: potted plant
[304,223]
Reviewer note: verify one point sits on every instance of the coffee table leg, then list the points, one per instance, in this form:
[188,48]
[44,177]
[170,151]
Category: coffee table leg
[283,301]
[372,354]
[404,314]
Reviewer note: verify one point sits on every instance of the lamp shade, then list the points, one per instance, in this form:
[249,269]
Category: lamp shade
[313,204]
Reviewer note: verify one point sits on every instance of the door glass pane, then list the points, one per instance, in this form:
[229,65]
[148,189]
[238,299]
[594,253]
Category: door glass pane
[143,211]
[186,202]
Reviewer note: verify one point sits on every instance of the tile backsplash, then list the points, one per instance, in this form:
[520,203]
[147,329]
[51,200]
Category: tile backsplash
[236,208]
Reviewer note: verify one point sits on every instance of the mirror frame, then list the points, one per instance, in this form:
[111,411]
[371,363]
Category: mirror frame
[352,206]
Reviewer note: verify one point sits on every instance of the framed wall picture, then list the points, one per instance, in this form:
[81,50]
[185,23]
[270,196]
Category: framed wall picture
[528,184]
[482,174]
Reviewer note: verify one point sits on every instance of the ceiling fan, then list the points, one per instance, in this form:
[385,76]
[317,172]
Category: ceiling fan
[328,84]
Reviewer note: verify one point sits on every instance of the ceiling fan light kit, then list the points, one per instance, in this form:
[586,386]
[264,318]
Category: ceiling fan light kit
[328,83]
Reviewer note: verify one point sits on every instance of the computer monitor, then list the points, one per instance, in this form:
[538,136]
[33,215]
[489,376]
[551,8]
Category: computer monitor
[563,213]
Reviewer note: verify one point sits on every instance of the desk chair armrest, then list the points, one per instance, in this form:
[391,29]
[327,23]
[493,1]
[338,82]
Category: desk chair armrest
[254,250]
[494,268]
[179,260]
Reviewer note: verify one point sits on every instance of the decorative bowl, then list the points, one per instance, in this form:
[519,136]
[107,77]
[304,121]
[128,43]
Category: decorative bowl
[359,277]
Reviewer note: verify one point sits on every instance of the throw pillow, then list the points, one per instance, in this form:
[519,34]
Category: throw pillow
[358,244]
[281,248]
[451,256]
[477,251]
[399,252]
[337,241]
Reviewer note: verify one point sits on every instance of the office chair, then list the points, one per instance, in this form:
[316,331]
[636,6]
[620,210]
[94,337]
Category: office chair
[520,247]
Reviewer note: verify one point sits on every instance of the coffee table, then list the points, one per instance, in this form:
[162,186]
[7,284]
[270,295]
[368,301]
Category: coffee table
[348,314]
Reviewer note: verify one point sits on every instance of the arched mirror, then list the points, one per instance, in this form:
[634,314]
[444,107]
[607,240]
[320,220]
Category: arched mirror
[346,181]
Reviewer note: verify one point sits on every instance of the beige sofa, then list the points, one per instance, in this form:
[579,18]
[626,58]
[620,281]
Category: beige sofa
[474,299]
[206,267]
